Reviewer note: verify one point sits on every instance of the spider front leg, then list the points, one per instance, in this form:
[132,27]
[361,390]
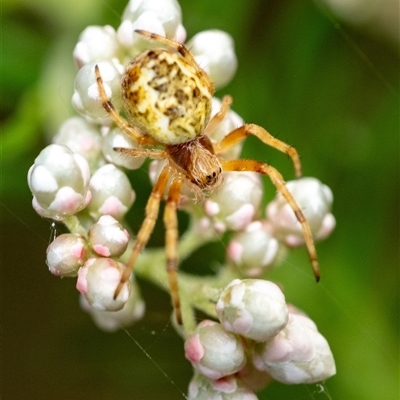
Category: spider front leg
[171,243]
[279,183]
[116,117]
[250,129]
[152,208]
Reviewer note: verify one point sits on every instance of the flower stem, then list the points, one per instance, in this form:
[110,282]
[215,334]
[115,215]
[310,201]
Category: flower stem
[196,292]
[74,226]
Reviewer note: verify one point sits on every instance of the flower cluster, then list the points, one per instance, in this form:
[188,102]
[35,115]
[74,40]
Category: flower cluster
[258,338]
[93,259]
[81,181]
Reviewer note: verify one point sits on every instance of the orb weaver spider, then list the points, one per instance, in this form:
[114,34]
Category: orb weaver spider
[167,98]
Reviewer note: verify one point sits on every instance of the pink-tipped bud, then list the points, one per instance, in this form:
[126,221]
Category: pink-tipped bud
[97,281]
[253,308]
[214,352]
[298,354]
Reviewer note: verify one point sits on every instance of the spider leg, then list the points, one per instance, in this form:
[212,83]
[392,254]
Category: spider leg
[219,116]
[250,129]
[183,51]
[116,117]
[152,207]
[142,152]
[171,240]
[278,181]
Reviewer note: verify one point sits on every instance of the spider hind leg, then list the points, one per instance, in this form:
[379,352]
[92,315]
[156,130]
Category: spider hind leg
[116,117]
[279,183]
[152,208]
[171,243]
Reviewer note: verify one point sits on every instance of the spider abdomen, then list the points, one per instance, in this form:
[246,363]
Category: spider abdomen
[165,98]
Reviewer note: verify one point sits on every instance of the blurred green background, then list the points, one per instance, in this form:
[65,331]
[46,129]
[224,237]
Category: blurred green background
[325,85]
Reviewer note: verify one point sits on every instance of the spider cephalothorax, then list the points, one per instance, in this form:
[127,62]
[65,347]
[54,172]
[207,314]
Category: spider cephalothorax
[198,161]
[167,99]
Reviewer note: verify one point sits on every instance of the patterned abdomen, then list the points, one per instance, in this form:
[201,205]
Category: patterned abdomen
[165,98]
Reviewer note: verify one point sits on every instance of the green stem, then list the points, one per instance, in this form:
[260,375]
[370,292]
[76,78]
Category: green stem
[195,292]
[74,226]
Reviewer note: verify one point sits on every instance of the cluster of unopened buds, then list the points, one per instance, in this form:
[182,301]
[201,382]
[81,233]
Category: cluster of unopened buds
[81,181]
[258,338]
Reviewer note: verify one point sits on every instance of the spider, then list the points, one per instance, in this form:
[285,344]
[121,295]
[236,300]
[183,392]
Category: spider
[167,99]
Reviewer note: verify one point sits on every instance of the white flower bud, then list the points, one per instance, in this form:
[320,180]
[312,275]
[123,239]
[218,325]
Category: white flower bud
[180,34]
[86,98]
[96,43]
[112,193]
[168,12]
[253,308]
[59,182]
[66,254]
[227,125]
[253,250]
[315,200]
[97,281]
[135,43]
[234,205]
[227,388]
[111,321]
[116,138]
[214,52]
[108,238]
[213,351]
[82,138]
[298,354]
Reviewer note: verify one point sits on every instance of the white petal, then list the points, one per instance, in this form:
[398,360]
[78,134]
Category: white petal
[42,180]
